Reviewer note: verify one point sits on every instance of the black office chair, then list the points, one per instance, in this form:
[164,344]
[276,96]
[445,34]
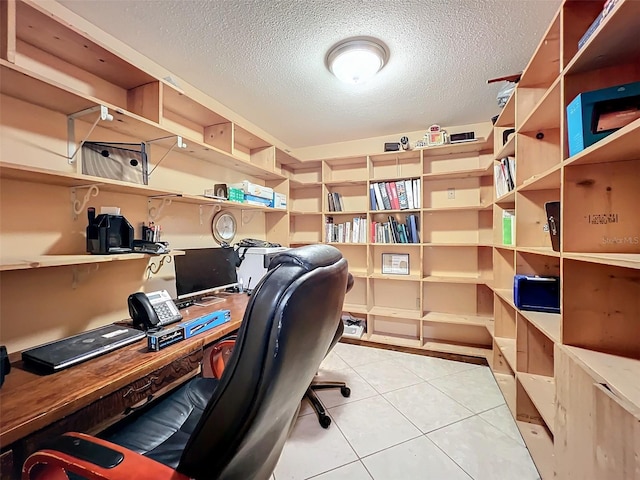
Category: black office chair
[310,394]
[234,428]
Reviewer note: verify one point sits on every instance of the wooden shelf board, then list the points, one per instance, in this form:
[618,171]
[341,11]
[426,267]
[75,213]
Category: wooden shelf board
[509,197]
[354,308]
[469,173]
[53,177]
[395,313]
[301,213]
[385,245]
[445,244]
[506,294]
[614,42]
[247,139]
[359,272]
[455,279]
[467,147]
[508,348]
[546,113]
[626,260]
[343,212]
[490,325]
[337,244]
[465,350]
[507,116]
[540,445]
[508,149]
[43,261]
[373,212]
[392,340]
[202,200]
[620,374]
[179,103]
[380,276]
[544,66]
[547,180]
[345,183]
[507,385]
[294,184]
[547,323]
[457,208]
[548,251]
[438,317]
[504,247]
[619,146]
[542,392]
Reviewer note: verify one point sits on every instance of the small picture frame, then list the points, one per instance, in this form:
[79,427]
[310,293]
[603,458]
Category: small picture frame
[395,264]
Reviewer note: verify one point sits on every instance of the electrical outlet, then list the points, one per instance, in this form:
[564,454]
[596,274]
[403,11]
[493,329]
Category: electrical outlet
[451,193]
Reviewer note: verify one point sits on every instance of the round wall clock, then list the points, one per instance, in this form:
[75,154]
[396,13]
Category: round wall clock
[223,227]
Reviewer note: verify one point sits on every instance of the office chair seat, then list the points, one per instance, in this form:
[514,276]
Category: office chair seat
[234,428]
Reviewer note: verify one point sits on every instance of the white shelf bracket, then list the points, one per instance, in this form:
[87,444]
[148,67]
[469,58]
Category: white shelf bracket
[214,209]
[72,148]
[153,269]
[179,143]
[156,212]
[80,272]
[78,205]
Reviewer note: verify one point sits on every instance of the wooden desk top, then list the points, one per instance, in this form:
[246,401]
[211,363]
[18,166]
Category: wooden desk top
[29,402]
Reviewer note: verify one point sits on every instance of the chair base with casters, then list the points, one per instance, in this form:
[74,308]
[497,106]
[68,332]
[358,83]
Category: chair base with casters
[317,404]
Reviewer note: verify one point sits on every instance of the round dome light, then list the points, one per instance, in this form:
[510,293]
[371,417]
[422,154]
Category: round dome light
[357,60]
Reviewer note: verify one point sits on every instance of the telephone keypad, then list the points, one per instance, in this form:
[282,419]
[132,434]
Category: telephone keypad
[163,311]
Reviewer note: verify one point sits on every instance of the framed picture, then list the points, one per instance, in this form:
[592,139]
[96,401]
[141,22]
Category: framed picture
[395,264]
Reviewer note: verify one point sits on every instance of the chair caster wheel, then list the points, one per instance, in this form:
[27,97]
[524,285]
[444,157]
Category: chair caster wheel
[325,421]
[345,391]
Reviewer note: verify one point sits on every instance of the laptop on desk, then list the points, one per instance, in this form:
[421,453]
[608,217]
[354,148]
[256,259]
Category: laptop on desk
[54,356]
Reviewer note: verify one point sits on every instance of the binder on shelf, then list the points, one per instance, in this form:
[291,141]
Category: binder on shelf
[372,197]
[402,195]
[385,196]
[408,186]
[508,227]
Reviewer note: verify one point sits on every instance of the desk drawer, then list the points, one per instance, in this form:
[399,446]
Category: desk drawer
[114,406]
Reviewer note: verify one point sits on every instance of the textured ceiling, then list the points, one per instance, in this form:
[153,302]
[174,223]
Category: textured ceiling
[265,59]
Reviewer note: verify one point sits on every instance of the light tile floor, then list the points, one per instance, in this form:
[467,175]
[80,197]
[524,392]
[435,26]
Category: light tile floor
[408,417]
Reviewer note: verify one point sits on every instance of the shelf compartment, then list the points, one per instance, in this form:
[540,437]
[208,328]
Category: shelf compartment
[308,199]
[458,298]
[508,348]
[468,334]
[455,265]
[507,385]
[456,319]
[401,327]
[534,350]
[392,312]
[306,229]
[537,155]
[540,444]
[506,294]
[65,56]
[601,307]
[353,198]
[392,340]
[353,308]
[603,199]
[504,318]
[395,165]
[534,264]
[356,256]
[550,324]
[507,116]
[466,192]
[547,180]
[246,146]
[478,146]
[457,165]
[531,218]
[503,269]
[304,174]
[548,251]
[471,172]
[544,66]
[357,296]
[542,392]
[546,113]
[614,42]
[626,260]
[508,198]
[439,346]
[619,146]
[352,169]
[451,228]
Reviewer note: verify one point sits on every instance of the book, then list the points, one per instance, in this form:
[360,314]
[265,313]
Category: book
[408,186]
[372,197]
[417,188]
[378,192]
[508,227]
[413,223]
[393,197]
[385,196]
[402,195]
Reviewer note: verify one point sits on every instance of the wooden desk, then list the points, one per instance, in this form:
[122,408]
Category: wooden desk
[95,394]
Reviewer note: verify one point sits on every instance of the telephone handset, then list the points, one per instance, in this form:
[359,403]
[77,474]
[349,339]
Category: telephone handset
[153,309]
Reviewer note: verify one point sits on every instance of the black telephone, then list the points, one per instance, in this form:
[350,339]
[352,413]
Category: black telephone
[155,309]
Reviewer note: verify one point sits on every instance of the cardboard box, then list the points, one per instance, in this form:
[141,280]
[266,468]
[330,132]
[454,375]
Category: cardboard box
[279,200]
[254,189]
[591,115]
[259,201]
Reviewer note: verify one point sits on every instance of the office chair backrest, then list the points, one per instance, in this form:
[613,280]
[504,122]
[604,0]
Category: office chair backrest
[288,326]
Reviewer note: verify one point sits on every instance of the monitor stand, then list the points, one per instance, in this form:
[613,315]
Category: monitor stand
[208,300]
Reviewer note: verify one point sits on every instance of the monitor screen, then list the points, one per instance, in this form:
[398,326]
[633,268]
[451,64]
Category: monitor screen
[203,270]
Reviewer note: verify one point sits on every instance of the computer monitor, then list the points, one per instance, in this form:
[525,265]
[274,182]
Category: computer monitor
[201,272]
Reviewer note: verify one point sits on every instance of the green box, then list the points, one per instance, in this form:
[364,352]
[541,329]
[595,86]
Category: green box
[236,195]
[508,227]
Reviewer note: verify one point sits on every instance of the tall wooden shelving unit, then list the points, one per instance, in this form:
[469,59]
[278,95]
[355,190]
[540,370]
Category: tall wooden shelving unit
[445,303]
[572,380]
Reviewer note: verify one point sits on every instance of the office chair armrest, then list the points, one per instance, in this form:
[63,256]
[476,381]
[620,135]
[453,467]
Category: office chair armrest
[86,460]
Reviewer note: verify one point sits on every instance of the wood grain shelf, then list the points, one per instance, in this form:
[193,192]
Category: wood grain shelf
[392,340]
[506,294]
[509,197]
[626,260]
[491,327]
[469,173]
[354,308]
[507,117]
[464,350]
[508,149]
[542,392]
[457,208]
[456,319]
[508,348]
[548,251]
[43,261]
[455,279]
[294,184]
[395,313]
[540,444]
[342,183]
[381,276]
[457,148]
[358,244]
[549,179]
[507,385]
[546,113]
[547,323]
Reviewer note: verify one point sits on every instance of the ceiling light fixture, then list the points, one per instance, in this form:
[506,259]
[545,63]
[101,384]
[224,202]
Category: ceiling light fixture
[356,60]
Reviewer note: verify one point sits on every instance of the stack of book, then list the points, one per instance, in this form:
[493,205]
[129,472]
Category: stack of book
[505,176]
[335,202]
[393,231]
[347,232]
[395,195]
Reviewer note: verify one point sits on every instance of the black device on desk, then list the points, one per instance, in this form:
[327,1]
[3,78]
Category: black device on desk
[108,234]
[54,356]
[155,309]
